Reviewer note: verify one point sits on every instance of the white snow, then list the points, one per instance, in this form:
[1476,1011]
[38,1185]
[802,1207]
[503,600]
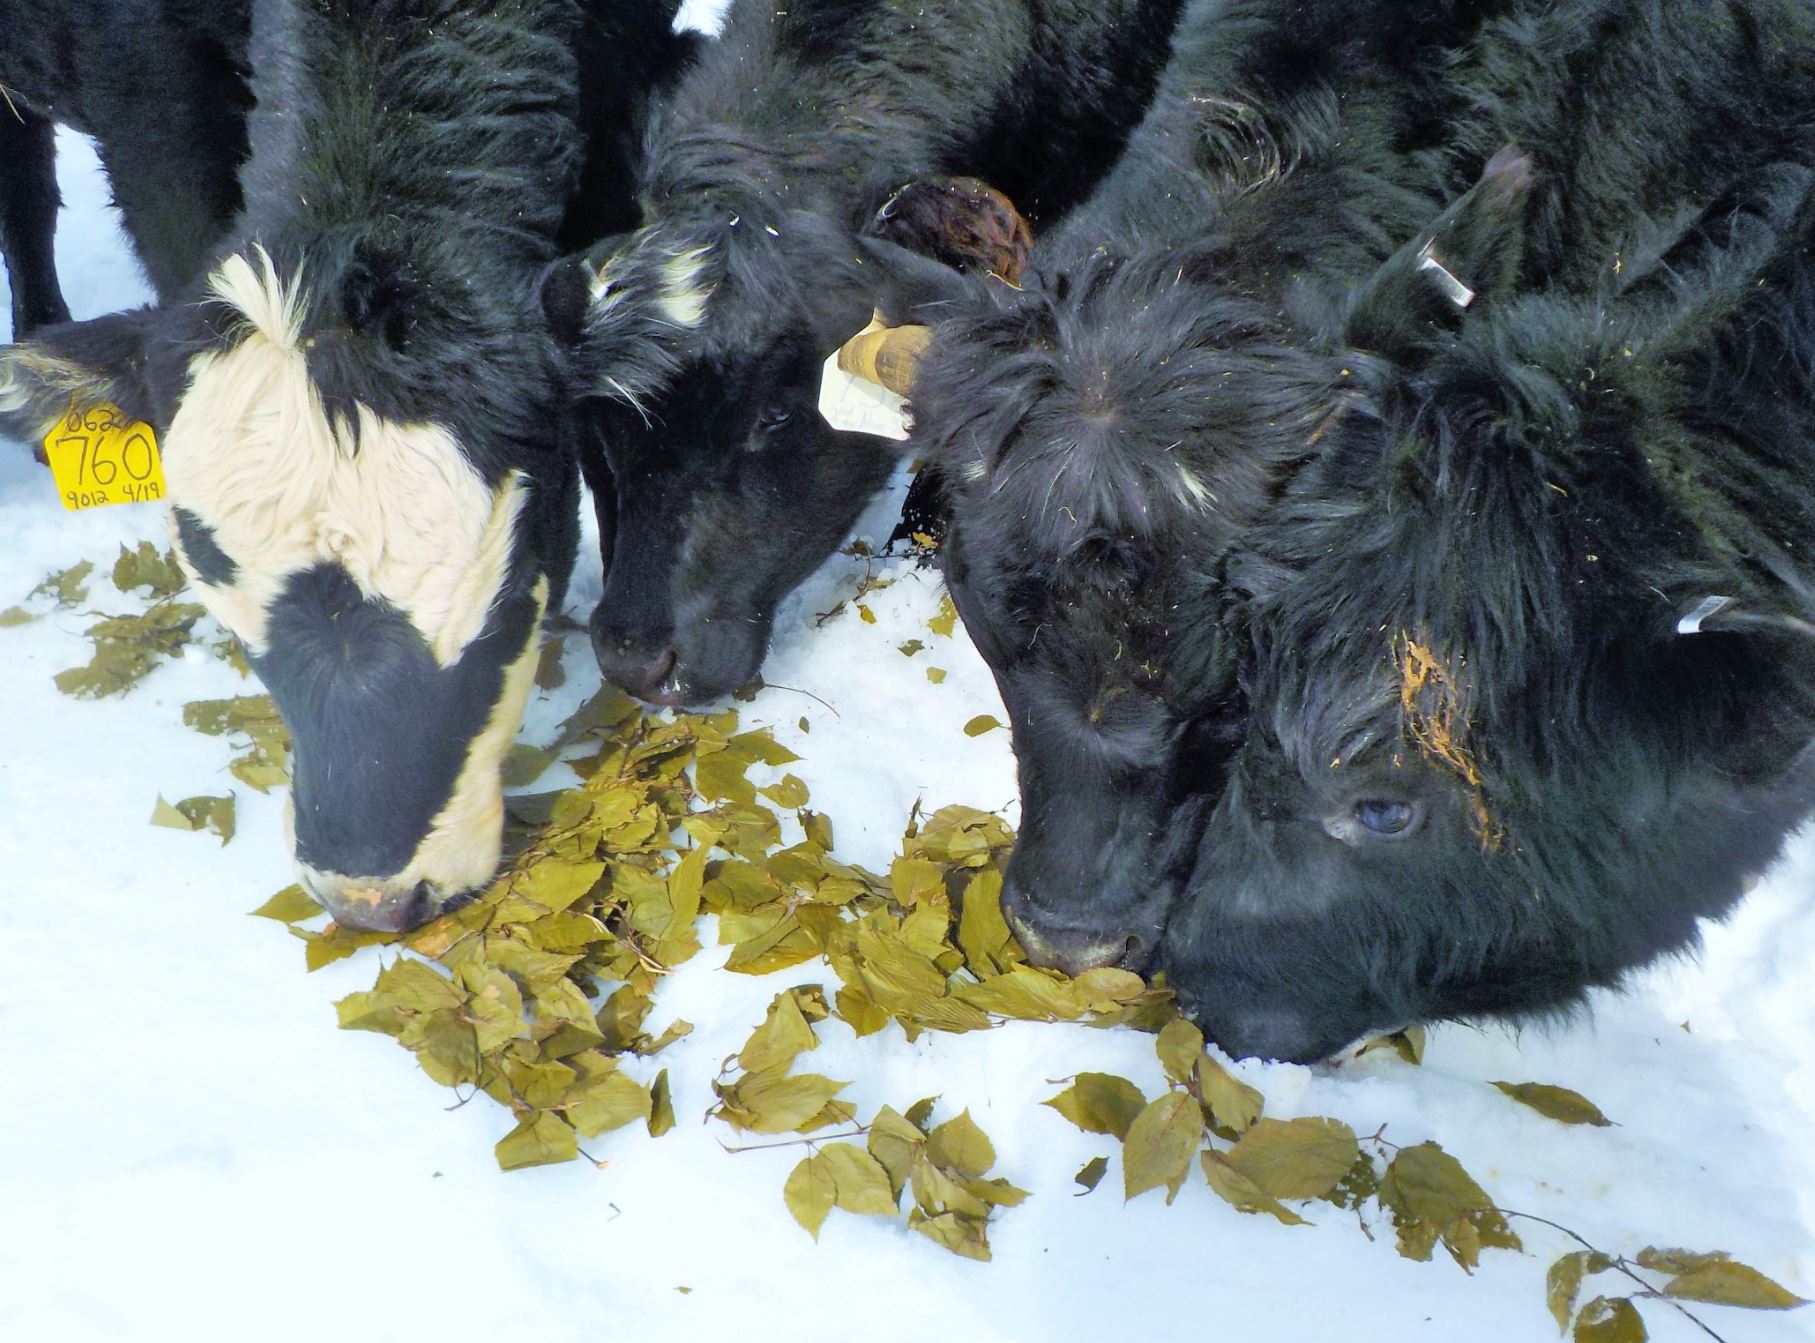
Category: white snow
[190,1149]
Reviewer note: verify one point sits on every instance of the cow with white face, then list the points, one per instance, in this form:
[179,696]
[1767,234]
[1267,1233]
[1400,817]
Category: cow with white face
[369,462]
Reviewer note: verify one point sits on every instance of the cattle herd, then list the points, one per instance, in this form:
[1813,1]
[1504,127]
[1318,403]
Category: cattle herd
[1383,487]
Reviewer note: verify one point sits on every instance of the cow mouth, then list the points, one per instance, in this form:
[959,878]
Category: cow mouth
[1072,951]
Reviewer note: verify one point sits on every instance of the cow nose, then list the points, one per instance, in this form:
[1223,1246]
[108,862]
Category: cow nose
[372,904]
[1066,945]
[647,674]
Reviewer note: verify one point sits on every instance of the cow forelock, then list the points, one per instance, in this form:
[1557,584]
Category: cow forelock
[255,458]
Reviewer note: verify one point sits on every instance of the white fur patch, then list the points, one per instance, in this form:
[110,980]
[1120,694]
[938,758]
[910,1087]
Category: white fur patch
[1193,492]
[684,297]
[252,453]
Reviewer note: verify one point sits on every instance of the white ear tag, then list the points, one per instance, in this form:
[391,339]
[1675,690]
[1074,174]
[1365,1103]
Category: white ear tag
[1453,288]
[857,405]
[1705,610]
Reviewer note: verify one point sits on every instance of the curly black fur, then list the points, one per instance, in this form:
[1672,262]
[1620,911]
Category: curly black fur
[719,487]
[1453,756]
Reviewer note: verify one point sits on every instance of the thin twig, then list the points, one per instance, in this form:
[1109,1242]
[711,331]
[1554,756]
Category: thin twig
[1619,1262]
[860,1131]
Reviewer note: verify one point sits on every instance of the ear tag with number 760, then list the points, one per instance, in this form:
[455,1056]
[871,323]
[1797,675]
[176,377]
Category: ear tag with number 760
[98,457]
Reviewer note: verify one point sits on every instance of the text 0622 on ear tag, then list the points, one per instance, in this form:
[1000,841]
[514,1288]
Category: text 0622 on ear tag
[98,457]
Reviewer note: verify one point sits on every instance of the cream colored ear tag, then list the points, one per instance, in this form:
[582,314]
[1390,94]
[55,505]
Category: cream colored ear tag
[99,458]
[858,405]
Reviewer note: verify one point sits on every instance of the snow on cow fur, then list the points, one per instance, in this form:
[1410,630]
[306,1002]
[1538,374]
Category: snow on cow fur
[192,1149]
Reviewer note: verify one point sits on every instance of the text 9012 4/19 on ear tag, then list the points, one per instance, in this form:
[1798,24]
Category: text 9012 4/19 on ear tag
[98,457]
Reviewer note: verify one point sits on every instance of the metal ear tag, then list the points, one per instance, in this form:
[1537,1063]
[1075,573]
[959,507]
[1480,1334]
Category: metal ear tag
[1705,610]
[1453,288]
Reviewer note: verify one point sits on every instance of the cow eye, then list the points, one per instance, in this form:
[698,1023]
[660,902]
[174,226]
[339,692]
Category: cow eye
[1386,818]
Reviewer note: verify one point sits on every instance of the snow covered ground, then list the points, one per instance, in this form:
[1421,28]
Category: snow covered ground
[190,1149]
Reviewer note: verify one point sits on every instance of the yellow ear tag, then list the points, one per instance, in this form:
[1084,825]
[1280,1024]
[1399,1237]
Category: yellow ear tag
[98,459]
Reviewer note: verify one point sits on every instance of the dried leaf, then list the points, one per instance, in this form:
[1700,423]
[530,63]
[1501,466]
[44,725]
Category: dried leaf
[661,1106]
[148,567]
[1296,1158]
[1233,1104]
[810,1192]
[960,1146]
[1730,1283]
[1100,1103]
[947,619]
[1178,1045]
[15,615]
[290,905]
[936,675]
[783,1036]
[1558,1103]
[1157,1149]
[1090,1174]
[539,1139]
[197,813]
[1242,1193]
[980,724]
[68,587]
[1563,1283]
[1610,1320]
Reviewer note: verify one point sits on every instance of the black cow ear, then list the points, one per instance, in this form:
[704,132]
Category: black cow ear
[1470,252]
[909,289]
[617,308]
[77,364]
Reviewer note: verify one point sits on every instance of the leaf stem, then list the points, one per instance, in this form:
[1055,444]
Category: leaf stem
[1624,1265]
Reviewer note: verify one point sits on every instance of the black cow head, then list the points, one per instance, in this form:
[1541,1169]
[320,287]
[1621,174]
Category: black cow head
[370,486]
[718,485]
[1500,748]
[1104,432]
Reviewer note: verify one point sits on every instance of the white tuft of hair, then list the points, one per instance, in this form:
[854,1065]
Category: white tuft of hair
[684,297]
[258,294]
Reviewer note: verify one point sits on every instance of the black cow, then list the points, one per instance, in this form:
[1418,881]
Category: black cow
[719,487]
[1529,645]
[162,87]
[1421,738]
[368,450]
[1112,425]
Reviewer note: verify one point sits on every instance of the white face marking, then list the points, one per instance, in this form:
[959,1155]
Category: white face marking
[252,453]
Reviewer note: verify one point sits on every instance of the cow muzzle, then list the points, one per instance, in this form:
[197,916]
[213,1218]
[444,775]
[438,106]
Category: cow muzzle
[372,904]
[1066,946]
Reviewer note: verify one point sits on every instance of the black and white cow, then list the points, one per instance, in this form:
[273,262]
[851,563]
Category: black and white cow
[369,455]
[1333,570]
[718,486]
[162,88]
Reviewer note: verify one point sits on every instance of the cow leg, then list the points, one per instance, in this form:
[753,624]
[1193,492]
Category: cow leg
[28,217]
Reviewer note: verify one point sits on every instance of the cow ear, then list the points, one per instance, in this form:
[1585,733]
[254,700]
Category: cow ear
[910,289]
[1470,253]
[76,364]
[616,309]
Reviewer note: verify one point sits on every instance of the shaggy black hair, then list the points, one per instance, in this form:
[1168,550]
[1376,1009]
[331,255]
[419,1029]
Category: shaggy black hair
[1525,363]
[1484,770]
[1110,427]
[162,89]
[718,485]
